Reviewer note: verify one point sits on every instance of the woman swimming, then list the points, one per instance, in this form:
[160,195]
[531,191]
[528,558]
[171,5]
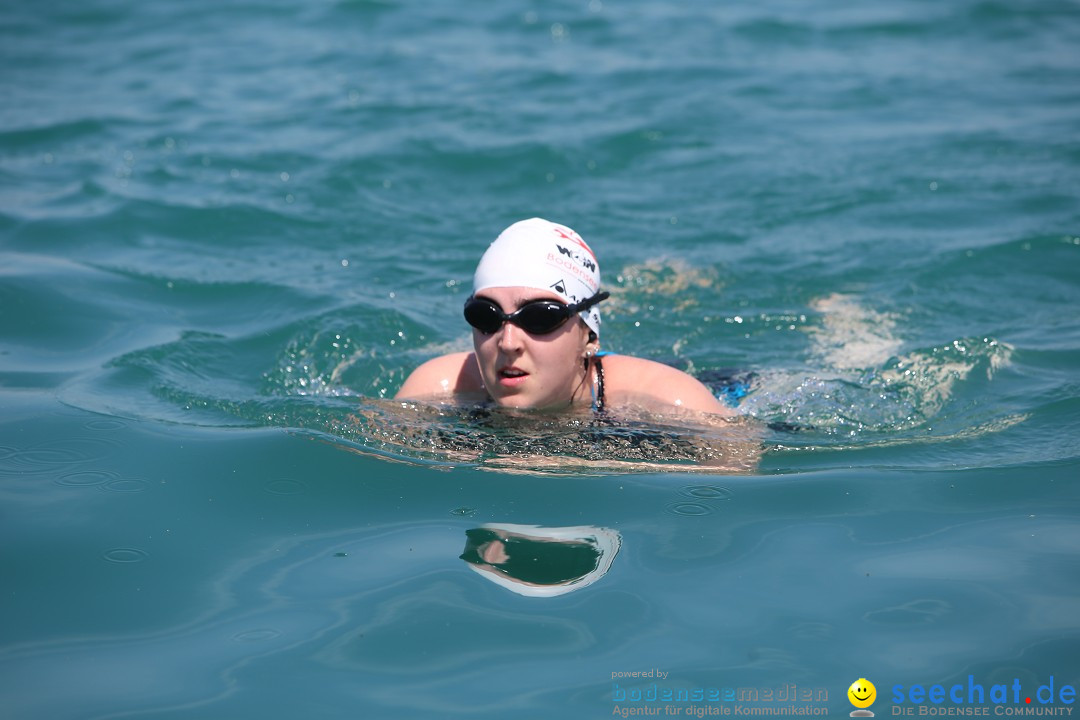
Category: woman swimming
[536,329]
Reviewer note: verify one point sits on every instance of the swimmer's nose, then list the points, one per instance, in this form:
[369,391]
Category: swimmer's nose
[510,336]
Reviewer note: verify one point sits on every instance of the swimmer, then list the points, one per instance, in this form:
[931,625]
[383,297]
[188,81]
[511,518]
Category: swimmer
[535,319]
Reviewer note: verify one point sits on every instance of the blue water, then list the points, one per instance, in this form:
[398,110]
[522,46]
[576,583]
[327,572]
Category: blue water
[229,230]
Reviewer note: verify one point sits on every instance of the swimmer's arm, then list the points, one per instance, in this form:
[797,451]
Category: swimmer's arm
[689,393]
[667,388]
[444,376]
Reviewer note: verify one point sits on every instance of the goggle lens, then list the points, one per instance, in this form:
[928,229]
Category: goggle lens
[537,318]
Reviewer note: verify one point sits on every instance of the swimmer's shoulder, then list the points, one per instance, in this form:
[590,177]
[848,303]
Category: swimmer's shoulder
[629,379]
[443,376]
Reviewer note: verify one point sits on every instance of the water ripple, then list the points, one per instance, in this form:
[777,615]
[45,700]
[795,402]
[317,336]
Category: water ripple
[88,478]
[54,455]
[689,509]
[125,555]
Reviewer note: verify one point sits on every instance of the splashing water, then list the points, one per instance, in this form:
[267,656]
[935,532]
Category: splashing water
[858,385]
[863,383]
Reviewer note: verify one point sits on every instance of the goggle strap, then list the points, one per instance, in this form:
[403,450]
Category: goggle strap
[588,302]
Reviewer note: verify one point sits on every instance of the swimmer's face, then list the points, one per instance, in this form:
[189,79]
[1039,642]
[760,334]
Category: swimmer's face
[521,370]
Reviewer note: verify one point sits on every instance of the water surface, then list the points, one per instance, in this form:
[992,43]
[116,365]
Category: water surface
[229,230]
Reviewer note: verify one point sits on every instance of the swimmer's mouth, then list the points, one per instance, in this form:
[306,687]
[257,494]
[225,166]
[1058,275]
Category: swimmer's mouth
[511,373]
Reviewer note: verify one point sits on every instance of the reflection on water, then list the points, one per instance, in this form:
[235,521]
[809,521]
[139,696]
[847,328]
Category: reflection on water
[362,614]
[541,562]
[363,599]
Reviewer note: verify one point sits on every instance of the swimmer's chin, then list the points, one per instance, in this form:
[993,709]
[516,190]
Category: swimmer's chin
[513,399]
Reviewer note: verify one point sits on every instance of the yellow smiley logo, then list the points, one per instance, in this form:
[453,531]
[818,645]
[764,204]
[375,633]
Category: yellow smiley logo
[862,693]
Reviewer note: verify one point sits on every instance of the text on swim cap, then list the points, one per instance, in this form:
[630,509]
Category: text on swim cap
[575,268]
[576,239]
[585,262]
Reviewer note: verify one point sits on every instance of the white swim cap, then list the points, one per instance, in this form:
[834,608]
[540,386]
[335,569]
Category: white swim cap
[540,254]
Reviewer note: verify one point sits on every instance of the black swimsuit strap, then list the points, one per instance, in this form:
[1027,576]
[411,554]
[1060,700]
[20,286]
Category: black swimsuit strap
[599,404]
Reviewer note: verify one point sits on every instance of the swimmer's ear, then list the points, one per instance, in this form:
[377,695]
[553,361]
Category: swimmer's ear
[592,346]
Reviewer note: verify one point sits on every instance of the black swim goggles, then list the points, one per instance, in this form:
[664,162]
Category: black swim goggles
[538,317]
